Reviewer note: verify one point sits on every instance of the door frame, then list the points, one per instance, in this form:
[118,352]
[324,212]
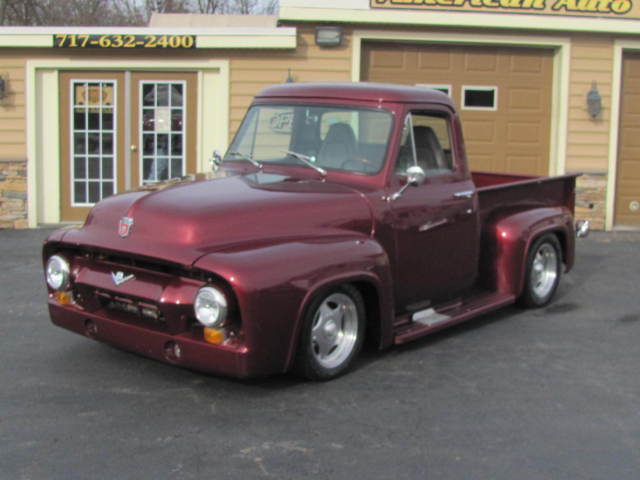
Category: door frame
[43,112]
[619,49]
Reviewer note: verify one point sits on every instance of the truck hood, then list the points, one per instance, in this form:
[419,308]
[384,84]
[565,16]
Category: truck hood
[186,221]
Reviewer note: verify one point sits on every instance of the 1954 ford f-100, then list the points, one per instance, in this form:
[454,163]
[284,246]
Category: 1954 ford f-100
[342,211]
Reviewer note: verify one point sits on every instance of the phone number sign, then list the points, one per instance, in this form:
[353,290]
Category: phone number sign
[117,41]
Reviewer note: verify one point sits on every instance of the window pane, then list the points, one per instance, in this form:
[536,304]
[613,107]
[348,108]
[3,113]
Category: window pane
[163,144]
[176,95]
[107,167]
[79,192]
[94,120]
[479,98]
[107,143]
[162,166]
[148,94]
[107,189]
[94,167]
[176,167]
[148,173]
[148,144]
[163,94]
[176,120]
[79,145]
[176,144]
[148,119]
[94,143]
[94,192]
[79,119]
[107,119]
[432,143]
[79,168]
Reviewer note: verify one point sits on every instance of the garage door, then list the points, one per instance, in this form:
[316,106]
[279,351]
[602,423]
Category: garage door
[504,96]
[627,206]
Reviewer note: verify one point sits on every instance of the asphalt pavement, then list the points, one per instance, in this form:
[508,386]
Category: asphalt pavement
[520,394]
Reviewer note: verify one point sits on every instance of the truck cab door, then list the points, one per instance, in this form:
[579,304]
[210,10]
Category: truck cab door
[435,222]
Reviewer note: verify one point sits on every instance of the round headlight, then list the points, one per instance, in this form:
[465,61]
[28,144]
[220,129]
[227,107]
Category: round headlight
[57,272]
[210,307]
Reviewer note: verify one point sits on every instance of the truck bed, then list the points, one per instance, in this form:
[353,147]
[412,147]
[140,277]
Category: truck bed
[499,191]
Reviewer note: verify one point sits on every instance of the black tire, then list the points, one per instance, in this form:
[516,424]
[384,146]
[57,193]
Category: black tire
[544,269]
[332,334]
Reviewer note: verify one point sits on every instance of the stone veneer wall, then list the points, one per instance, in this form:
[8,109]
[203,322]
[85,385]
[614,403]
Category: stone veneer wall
[591,195]
[13,194]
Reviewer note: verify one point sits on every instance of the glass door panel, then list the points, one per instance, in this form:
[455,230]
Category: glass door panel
[163,126]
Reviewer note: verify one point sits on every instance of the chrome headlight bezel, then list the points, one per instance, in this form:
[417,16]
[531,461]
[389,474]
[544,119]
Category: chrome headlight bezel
[58,272]
[210,307]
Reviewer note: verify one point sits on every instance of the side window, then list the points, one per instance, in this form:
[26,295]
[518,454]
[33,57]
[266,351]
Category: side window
[426,142]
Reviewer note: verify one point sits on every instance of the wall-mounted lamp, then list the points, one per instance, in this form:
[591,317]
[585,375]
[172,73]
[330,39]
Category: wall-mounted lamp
[328,36]
[290,77]
[594,101]
[4,80]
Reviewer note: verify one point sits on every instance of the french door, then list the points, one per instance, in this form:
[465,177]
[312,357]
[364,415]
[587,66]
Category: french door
[121,130]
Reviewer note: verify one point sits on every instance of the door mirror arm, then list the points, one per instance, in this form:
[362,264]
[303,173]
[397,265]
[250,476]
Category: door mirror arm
[216,160]
[415,176]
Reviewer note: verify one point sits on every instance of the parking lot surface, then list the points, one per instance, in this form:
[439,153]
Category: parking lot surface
[519,394]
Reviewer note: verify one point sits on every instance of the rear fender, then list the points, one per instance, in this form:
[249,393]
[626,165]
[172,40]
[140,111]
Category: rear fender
[507,241]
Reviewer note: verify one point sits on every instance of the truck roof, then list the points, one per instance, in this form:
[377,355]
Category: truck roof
[357,91]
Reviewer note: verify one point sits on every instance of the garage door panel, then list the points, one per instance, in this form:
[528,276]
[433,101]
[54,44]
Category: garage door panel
[526,64]
[388,59]
[481,62]
[526,100]
[630,171]
[520,164]
[523,77]
[523,133]
[435,60]
[479,132]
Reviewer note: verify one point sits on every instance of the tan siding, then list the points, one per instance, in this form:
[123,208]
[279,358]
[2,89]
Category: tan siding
[588,140]
[251,71]
[12,107]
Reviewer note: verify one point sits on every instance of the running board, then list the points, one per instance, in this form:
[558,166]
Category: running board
[431,320]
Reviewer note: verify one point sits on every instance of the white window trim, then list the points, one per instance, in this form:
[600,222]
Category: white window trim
[482,88]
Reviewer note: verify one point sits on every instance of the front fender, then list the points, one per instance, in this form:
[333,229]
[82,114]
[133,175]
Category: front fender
[507,241]
[273,284]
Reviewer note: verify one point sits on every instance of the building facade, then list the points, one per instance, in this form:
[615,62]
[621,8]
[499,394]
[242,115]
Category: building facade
[543,86]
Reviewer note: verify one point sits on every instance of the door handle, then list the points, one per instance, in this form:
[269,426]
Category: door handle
[464,194]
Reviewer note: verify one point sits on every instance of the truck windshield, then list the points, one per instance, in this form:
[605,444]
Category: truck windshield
[321,137]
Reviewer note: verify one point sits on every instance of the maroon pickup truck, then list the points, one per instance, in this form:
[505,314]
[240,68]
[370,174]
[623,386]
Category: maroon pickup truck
[341,212]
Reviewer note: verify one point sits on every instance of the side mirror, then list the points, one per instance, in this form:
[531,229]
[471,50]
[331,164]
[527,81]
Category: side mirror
[415,177]
[216,160]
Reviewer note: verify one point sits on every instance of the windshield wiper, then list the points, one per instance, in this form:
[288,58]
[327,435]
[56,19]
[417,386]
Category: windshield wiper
[307,161]
[245,156]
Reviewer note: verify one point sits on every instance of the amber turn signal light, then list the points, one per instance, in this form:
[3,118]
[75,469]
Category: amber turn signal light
[63,298]
[214,335]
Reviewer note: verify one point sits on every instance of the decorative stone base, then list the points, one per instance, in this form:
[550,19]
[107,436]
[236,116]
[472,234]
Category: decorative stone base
[13,194]
[591,194]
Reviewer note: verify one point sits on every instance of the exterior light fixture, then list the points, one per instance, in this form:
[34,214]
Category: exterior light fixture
[594,101]
[290,77]
[328,36]
[3,85]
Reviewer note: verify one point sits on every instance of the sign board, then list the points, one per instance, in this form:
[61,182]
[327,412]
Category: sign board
[593,8]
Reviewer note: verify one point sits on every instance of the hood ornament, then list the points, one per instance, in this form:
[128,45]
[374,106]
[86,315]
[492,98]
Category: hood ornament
[125,226]
[119,277]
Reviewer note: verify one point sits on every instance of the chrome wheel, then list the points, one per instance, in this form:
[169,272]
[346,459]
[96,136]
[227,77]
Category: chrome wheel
[544,270]
[544,267]
[334,330]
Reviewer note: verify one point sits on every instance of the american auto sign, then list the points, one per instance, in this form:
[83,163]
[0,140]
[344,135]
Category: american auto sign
[596,8]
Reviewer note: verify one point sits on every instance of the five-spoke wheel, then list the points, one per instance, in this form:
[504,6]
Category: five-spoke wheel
[544,267]
[332,333]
